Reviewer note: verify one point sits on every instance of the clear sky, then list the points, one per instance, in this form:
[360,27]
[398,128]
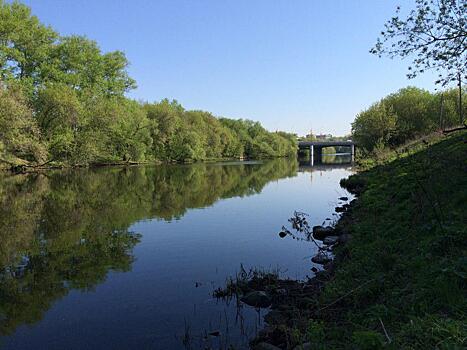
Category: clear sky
[290,64]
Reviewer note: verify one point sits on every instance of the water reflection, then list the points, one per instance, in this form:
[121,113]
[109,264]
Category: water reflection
[327,160]
[66,230]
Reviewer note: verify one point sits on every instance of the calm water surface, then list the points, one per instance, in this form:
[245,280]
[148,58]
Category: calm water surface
[123,258]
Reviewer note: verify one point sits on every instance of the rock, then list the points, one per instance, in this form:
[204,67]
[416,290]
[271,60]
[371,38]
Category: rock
[329,266]
[344,238]
[265,346]
[320,232]
[329,240]
[321,258]
[343,198]
[282,234]
[305,346]
[339,209]
[215,333]
[274,317]
[257,299]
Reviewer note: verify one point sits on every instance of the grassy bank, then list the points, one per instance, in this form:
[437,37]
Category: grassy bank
[398,277]
[401,281]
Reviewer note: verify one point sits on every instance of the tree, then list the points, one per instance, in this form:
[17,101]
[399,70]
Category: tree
[63,102]
[25,43]
[20,137]
[79,63]
[375,126]
[403,116]
[435,32]
[415,113]
[167,116]
[129,130]
[59,114]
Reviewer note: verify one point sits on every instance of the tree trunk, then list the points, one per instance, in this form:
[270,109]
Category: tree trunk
[461,117]
[441,110]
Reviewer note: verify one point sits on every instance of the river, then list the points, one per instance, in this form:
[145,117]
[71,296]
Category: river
[128,257]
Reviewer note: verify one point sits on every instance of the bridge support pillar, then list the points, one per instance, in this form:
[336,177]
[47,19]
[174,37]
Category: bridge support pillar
[316,155]
[352,153]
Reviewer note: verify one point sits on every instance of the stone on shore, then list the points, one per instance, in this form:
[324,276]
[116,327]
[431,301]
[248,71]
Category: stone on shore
[321,258]
[257,299]
[320,232]
[330,240]
[305,346]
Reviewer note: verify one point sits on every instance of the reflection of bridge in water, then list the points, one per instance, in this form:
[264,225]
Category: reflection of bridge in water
[327,162]
[316,149]
[304,167]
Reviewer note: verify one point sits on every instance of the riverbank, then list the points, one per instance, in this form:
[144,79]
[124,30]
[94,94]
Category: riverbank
[24,168]
[398,282]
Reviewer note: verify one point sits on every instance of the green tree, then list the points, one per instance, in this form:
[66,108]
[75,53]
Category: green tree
[74,95]
[374,126]
[415,111]
[167,116]
[25,43]
[434,33]
[59,114]
[130,130]
[79,63]
[20,137]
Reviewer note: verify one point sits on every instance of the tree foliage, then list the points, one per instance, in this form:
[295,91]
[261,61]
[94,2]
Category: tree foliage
[435,33]
[63,102]
[403,116]
[19,132]
[25,43]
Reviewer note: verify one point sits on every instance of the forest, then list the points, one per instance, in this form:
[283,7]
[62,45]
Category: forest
[63,103]
[404,116]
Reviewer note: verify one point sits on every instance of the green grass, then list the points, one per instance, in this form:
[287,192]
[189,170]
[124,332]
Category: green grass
[401,281]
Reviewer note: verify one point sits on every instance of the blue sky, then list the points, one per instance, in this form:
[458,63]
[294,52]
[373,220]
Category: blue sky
[290,64]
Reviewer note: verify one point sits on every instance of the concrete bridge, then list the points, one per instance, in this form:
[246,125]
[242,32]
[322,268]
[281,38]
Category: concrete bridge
[316,148]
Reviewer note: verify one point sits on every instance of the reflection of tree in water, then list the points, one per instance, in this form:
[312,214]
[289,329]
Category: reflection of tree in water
[336,159]
[41,260]
[47,273]
[66,230]
[179,188]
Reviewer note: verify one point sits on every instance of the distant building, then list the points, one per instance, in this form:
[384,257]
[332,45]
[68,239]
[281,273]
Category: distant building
[323,136]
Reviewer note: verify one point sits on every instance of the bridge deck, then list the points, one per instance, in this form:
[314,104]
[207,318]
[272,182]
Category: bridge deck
[307,144]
